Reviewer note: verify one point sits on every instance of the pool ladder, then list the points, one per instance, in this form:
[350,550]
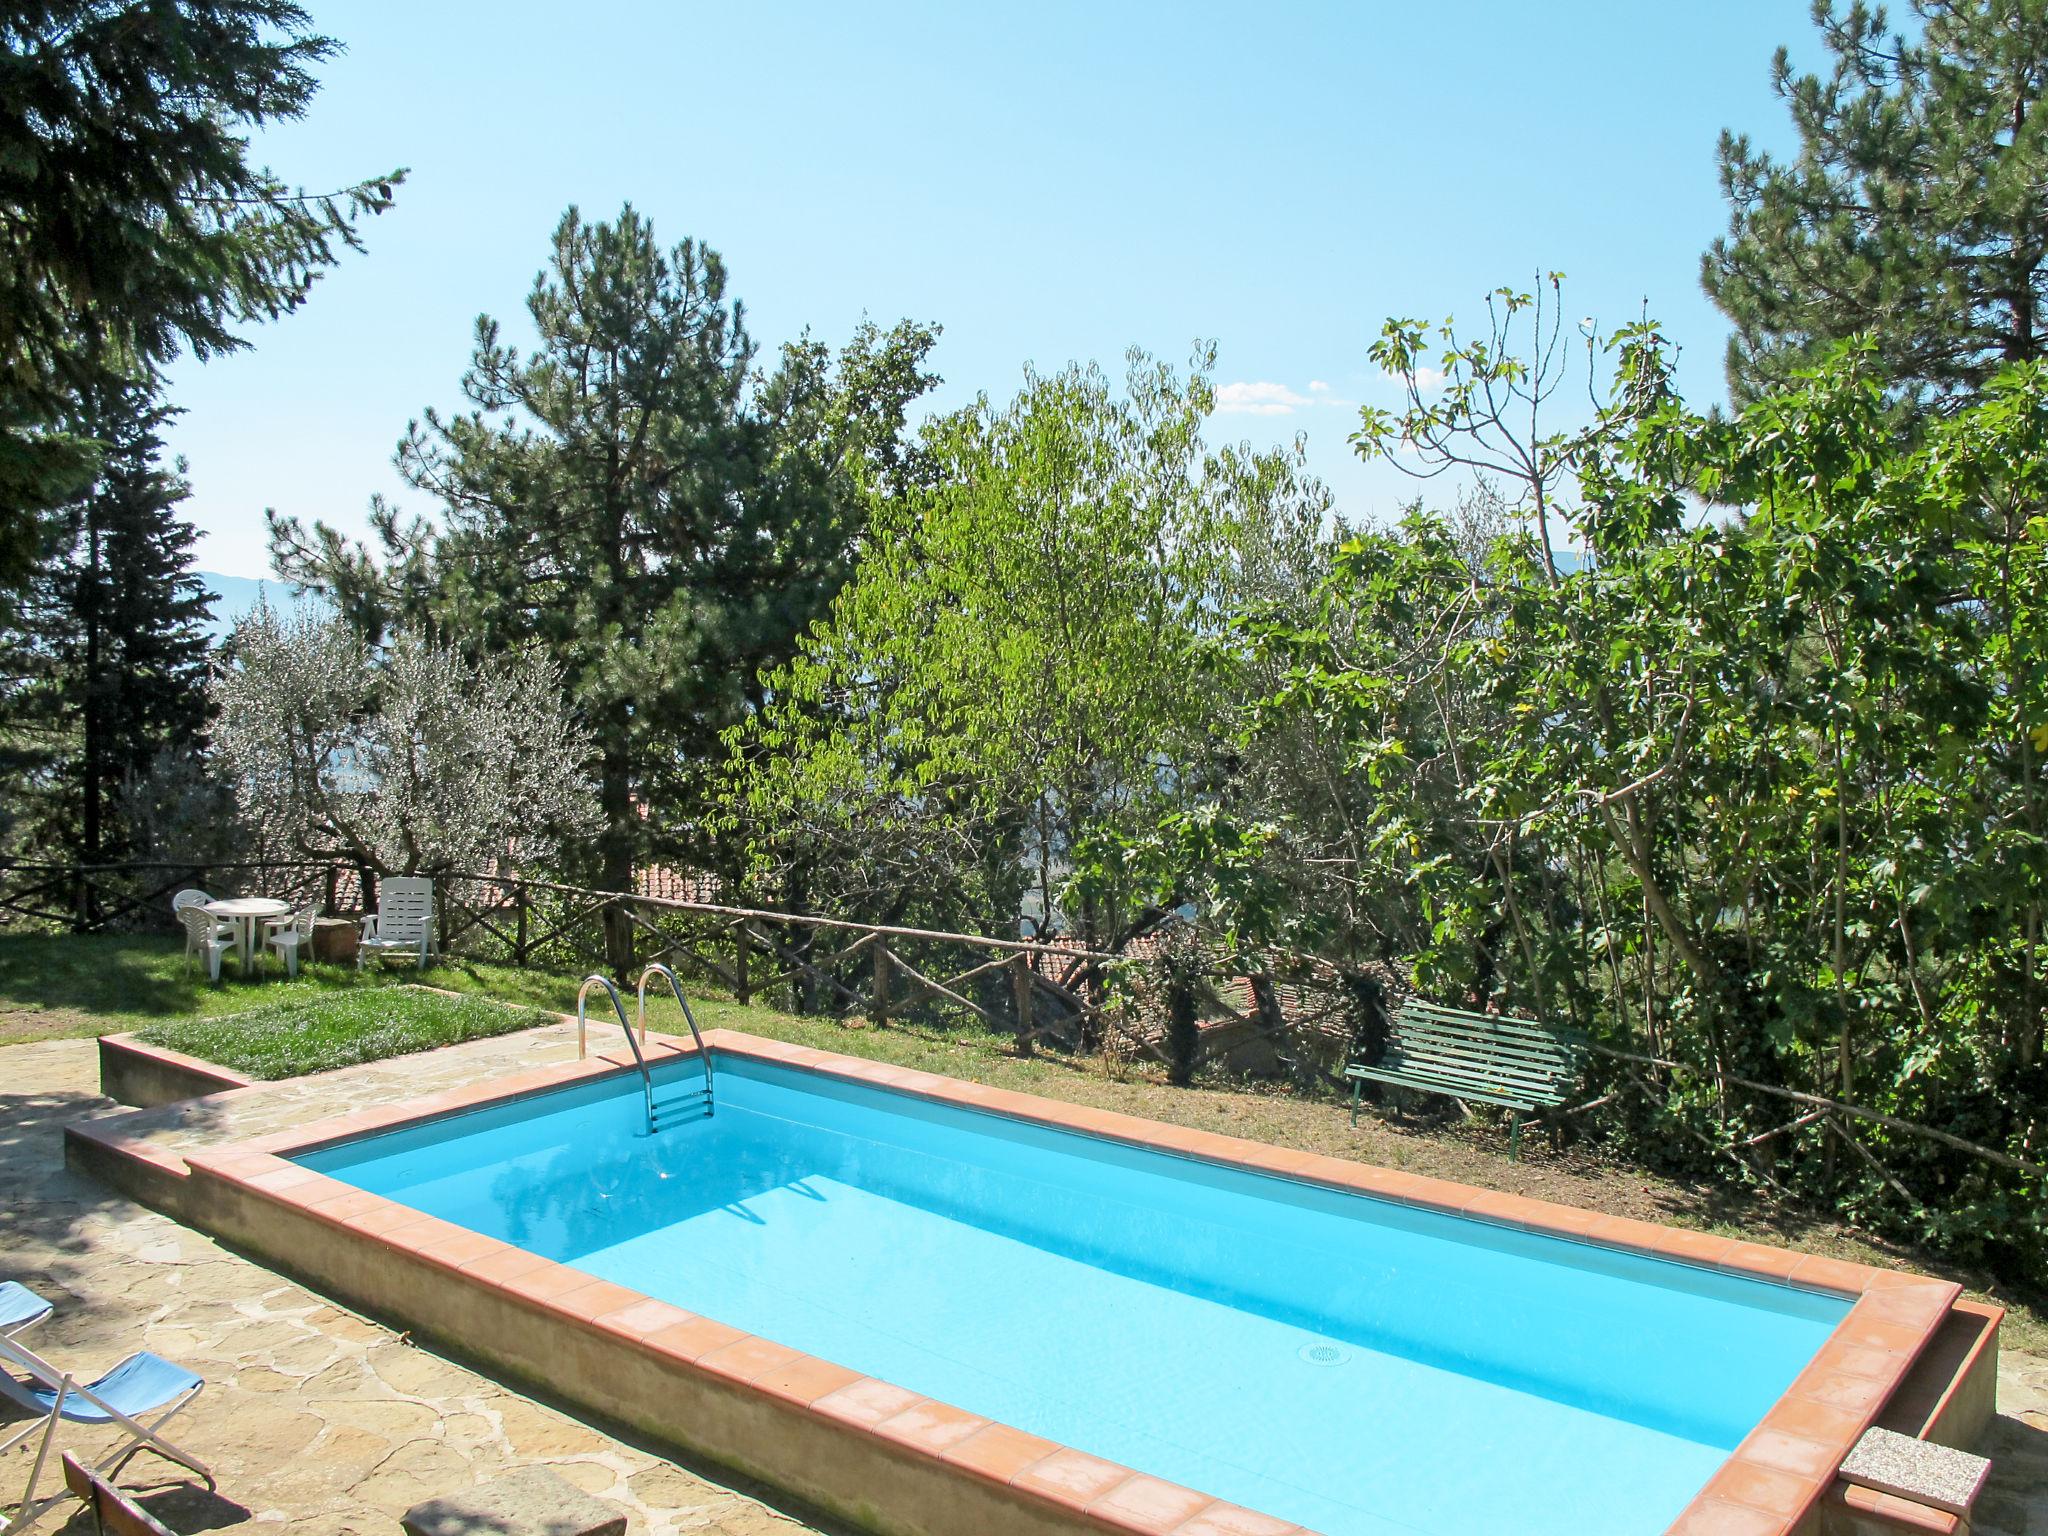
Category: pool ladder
[699,1099]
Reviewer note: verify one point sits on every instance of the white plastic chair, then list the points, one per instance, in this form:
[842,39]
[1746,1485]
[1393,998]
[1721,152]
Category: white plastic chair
[207,935]
[288,934]
[191,896]
[403,923]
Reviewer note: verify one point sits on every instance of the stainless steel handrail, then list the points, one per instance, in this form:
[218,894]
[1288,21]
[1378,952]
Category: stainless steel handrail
[689,1018]
[618,1007]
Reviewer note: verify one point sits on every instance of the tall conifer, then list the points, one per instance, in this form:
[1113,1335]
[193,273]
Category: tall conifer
[112,644]
[1915,209]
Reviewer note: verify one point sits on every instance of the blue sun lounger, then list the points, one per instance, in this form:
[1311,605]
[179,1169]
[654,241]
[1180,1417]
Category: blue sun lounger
[20,1308]
[138,1396]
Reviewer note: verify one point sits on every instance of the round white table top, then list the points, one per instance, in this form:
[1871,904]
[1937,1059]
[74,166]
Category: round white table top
[248,906]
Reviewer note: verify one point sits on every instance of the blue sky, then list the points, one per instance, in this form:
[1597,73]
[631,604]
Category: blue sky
[1047,181]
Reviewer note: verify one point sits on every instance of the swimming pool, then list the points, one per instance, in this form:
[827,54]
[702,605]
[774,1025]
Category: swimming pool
[1352,1364]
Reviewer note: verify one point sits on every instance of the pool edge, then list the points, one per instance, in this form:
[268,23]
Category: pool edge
[1774,1481]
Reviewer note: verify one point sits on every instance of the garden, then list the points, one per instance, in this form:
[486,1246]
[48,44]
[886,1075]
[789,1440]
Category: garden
[1637,838]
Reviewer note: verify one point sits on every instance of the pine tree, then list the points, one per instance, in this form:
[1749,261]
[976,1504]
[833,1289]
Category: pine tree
[113,644]
[631,501]
[134,223]
[1916,210]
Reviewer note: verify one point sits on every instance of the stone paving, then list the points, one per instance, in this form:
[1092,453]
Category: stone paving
[319,1421]
[315,1421]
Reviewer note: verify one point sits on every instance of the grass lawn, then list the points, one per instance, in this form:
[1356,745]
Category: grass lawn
[55,986]
[292,1036]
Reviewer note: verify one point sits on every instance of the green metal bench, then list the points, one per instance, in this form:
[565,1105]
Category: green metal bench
[1516,1063]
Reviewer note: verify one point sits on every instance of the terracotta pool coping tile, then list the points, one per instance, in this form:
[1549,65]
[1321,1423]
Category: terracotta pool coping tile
[1759,1262]
[1859,1395]
[545,1282]
[286,1176]
[1770,1489]
[239,1161]
[642,1318]
[866,1402]
[1070,1477]
[1852,1359]
[384,1218]
[1707,1516]
[1898,1513]
[1914,1307]
[1828,1274]
[350,1202]
[998,1452]
[501,1265]
[1221,1519]
[806,1379]
[1797,1454]
[1834,1427]
[422,1230]
[690,1341]
[931,1426]
[748,1357]
[1151,1505]
[457,1249]
[1504,1209]
[594,1299]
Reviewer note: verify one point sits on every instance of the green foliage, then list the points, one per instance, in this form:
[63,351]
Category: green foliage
[135,225]
[108,648]
[1028,660]
[1912,211]
[340,1029]
[623,501]
[1759,792]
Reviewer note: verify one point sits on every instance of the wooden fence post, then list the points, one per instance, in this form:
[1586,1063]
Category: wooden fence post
[519,901]
[1027,1016]
[740,990]
[878,1007]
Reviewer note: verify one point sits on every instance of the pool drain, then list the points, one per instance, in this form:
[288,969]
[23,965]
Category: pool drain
[1324,1354]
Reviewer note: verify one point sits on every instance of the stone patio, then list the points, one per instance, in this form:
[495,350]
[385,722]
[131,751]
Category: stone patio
[316,1421]
[320,1421]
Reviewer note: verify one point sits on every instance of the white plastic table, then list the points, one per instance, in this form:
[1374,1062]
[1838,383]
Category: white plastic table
[245,912]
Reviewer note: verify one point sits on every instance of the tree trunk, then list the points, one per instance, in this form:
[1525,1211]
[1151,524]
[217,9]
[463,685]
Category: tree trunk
[615,801]
[1183,1034]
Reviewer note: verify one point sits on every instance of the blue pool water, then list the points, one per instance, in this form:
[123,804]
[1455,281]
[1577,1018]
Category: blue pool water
[1352,1364]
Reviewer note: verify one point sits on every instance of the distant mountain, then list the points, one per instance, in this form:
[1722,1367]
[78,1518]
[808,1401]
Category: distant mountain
[234,596]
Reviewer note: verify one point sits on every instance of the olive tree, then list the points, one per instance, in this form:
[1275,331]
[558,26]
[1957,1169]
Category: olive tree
[407,759]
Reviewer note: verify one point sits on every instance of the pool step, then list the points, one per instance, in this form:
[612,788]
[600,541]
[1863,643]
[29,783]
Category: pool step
[678,1108]
[1949,1398]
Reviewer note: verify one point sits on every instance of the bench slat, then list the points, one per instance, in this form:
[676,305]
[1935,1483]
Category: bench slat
[1547,1091]
[1490,1023]
[1459,1048]
[1489,1081]
[1534,1061]
[1510,1040]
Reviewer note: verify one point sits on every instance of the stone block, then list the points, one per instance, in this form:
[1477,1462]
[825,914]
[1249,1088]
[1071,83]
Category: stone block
[532,1501]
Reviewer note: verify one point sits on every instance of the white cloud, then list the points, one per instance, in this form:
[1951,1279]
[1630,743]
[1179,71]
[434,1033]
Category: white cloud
[1263,398]
[1426,379]
[1318,387]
